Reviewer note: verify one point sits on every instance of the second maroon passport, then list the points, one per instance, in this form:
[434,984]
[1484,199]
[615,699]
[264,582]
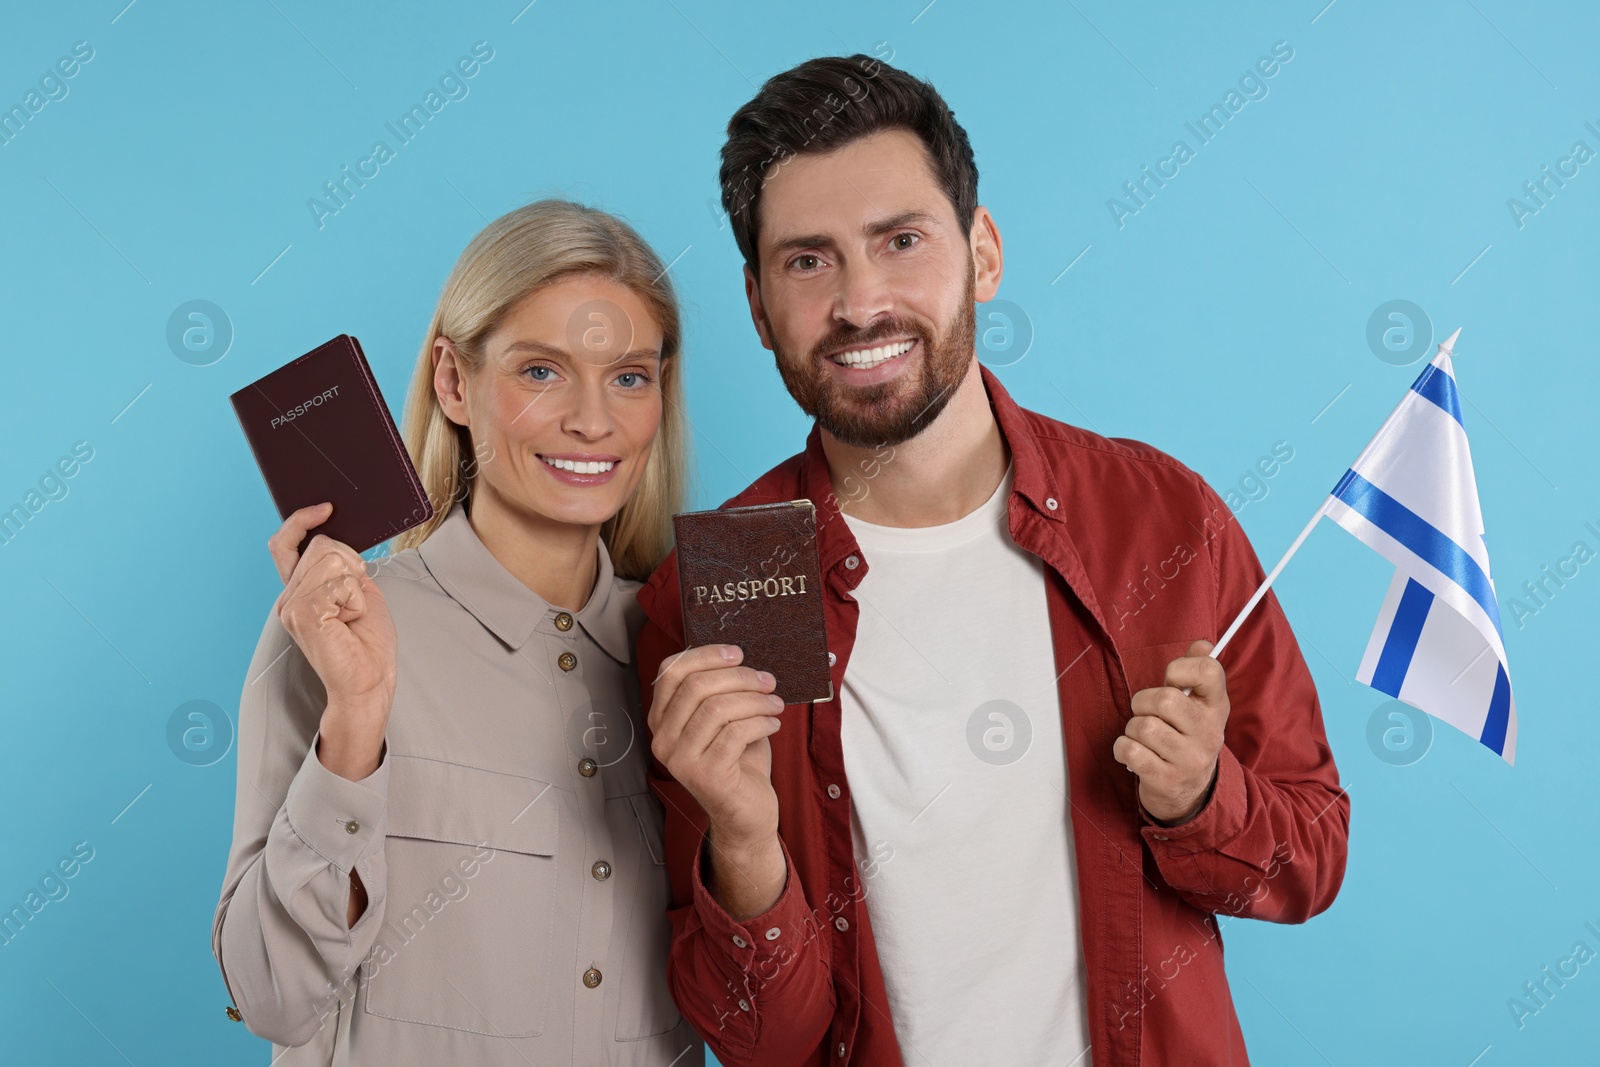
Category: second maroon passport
[320,431]
[749,577]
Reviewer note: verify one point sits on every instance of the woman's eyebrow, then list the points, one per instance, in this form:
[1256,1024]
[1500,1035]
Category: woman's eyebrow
[537,347]
[554,352]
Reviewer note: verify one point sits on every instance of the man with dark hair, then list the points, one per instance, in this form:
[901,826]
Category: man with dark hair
[950,862]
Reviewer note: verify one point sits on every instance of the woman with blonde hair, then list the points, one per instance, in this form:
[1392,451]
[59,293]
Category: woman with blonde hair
[445,850]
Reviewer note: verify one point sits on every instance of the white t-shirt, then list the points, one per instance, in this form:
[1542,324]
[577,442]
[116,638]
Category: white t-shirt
[951,729]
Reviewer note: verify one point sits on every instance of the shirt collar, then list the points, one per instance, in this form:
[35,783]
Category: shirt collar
[1032,478]
[466,570]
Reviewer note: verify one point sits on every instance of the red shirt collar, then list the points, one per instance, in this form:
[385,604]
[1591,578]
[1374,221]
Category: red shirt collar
[1032,478]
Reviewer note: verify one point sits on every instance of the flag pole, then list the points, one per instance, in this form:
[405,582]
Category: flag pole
[1262,591]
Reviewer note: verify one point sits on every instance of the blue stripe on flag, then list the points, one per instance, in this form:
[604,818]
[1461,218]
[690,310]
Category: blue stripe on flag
[1437,386]
[1421,537]
[1494,728]
[1401,644]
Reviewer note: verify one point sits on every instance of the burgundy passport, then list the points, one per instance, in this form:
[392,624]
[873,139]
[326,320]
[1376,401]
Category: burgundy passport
[749,577]
[320,431]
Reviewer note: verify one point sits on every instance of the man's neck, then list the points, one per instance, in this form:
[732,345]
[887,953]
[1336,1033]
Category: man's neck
[943,473]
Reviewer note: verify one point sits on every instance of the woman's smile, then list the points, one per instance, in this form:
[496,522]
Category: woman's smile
[581,468]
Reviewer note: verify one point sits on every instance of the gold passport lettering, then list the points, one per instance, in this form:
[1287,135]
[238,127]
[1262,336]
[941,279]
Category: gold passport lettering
[754,589]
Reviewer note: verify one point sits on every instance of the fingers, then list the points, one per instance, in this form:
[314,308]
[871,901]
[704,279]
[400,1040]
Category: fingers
[319,550]
[675,669]
[1168,705]
[671,716]
[735,737]
[284,545]
[702,657]
[1136,757]
[328,582]
[707,709]
[1157,778]
[1198,672]
[1156,736]
[712,717]
[678,666]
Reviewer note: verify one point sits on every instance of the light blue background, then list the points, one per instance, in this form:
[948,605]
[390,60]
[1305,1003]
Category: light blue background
[1223,317]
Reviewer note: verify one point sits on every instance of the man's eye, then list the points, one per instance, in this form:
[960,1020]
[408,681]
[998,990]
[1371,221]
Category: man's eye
[806,262]
[909,239]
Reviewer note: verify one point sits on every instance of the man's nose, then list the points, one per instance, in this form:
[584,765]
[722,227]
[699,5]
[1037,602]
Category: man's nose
[863,296]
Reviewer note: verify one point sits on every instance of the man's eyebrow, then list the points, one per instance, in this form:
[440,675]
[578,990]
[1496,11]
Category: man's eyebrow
[871,229]
[900,221]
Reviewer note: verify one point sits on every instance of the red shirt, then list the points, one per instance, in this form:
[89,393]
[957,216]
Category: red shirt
[1141,557]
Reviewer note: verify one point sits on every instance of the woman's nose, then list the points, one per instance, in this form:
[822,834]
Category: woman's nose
[590,415]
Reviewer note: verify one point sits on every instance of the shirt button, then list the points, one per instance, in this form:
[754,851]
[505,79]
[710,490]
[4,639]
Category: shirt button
[841,1050]
[744,1005]
[591,978]
[563,622]
[1159,837]
[841,923]
[851,562]
[587,767]
[567,661]
[833,791]
[1050,502]
[832,659]
[351,827]
[233,1013]
[772,934]
[741,942]
[601,870]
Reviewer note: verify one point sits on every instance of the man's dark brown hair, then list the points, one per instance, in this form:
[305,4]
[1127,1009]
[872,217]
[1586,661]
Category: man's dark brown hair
[827,103]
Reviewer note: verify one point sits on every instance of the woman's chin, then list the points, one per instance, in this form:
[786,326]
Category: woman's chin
[578,507]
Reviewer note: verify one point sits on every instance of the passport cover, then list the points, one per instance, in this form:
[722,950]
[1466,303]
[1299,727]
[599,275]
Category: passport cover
[320,431]
[749,577]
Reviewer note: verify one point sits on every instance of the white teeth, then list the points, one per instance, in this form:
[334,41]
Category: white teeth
[871,357]
[595,467]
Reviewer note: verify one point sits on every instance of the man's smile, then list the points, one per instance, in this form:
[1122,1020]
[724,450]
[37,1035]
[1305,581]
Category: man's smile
[867,358]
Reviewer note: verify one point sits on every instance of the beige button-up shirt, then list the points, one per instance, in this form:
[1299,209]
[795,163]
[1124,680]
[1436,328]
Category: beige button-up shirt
[508,842]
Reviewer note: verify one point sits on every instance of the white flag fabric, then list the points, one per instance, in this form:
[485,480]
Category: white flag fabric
[1412,497]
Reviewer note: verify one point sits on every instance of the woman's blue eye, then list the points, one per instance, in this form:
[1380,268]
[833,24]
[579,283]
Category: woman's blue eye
[638,379]
[535,372]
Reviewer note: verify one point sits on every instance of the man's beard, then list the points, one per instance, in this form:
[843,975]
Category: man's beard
[887,413]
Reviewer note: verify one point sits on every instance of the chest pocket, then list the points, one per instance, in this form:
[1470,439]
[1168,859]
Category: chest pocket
[1146,667]
[471,900]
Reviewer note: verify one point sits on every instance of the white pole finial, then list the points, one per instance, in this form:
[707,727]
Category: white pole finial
[1449,343]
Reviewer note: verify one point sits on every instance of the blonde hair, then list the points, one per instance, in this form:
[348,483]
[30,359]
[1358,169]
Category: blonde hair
[516,254]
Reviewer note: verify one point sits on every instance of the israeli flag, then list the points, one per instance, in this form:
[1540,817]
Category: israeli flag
[1412,497]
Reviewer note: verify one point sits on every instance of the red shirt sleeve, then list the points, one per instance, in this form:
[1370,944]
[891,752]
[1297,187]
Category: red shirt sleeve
[1271,841]
[760,991]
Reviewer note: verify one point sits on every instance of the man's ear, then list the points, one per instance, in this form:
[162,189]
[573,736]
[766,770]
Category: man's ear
[758,313]
[988,260]
[450,380]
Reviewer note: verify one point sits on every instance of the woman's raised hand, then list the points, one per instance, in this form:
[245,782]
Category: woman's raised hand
[337,615]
